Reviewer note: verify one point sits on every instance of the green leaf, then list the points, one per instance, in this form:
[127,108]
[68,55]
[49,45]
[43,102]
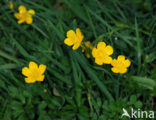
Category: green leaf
[138,104]
[92,75]
[133,99]
[144,82]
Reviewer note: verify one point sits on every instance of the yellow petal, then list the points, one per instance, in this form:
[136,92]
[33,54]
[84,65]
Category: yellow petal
[101,45]
[21,21]
[115,70]
[87,55]
[11,5]
[107,60]
[17,15]
[69,41]
[89,45]
[98,61]
[29,19]
[29,80]
[22,9]
[127,63]
[41,78]
[94,52]
[76,46]
[32,66]
[123,70]
[42,68]
[114,62]
[108,50]
[71,34]
[121,58]
[31,11]
[26,71]
[79,34]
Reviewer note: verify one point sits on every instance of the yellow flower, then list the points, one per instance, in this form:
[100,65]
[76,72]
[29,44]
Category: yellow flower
[24,15]
[120,64]
[102,53]
[89,46]
[74,39]
[11,5]
[34,73]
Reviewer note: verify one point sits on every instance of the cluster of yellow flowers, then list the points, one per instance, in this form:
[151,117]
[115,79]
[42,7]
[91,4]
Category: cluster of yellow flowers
[101,53]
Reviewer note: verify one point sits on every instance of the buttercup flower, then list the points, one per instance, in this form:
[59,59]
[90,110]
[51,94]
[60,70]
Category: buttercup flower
[89,46]
[120,64]
[102,53]
[24,15]
[34,73]
[74,39]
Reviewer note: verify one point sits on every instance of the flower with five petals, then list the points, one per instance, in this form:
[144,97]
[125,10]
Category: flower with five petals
[120,64]
[102,53]
[24,15]
[74,39]
[34,73]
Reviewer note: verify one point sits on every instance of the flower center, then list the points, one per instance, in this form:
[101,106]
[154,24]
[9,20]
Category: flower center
[101,54]
[120,64]
[34,74]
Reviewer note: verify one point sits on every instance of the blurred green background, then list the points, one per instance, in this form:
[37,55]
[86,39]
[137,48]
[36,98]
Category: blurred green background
[75,88]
